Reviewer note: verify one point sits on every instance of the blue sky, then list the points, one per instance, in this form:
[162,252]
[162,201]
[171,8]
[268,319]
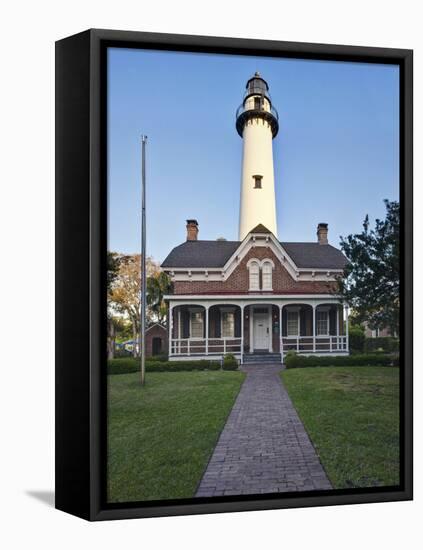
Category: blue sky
[336,155]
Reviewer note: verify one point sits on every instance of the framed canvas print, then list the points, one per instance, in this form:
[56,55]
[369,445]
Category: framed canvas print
[234,274]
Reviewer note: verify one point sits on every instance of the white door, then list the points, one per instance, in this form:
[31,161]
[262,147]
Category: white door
[261,331]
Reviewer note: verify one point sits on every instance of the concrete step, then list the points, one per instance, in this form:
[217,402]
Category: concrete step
[262,358]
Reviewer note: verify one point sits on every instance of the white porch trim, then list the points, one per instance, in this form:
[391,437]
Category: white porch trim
[313,344]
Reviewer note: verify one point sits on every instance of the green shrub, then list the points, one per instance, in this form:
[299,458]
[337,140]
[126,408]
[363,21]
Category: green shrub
[292,359]
[230,362]
[123,365]
[129,365]
[162,357]
[356,339]
[295,360]
[386,344]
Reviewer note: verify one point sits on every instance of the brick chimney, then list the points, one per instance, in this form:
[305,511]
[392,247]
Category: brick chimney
[192,230]
[322,233]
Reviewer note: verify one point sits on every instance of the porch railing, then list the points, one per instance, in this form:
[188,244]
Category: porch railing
[312,344]
[204,346]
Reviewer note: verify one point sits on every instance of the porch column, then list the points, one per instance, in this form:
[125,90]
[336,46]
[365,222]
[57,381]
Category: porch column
[280,333]
[242,334]
[207,328]
[337,327]
[314,328]
[179,331]
[170,326]
[346,328]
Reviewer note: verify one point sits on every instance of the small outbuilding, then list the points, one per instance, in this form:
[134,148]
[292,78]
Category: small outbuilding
[156,340]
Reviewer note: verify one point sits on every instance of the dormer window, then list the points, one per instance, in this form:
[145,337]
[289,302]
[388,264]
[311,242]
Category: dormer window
[257,181]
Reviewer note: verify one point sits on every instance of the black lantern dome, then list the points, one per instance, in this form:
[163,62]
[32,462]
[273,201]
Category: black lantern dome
[257,85]
[257,103]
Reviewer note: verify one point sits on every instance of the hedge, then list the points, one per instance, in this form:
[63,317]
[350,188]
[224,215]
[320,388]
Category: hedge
[294,360]
[230,362]
[356,339]
[129,365]
[382,343]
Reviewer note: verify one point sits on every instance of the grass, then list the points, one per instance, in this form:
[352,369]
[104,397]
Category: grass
[160,437]
[352,416]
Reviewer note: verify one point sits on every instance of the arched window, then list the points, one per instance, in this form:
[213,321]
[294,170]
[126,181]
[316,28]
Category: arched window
[254,268]
[267,275]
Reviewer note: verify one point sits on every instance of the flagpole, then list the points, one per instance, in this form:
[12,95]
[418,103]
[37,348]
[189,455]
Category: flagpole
[143,263]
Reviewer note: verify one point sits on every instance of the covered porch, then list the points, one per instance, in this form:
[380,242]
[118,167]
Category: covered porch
[207,328]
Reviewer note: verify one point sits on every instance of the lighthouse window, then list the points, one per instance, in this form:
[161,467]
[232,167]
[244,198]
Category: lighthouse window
[257,103]
[257,182]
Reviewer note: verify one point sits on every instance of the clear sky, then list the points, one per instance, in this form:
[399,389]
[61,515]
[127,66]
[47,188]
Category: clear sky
[336,155]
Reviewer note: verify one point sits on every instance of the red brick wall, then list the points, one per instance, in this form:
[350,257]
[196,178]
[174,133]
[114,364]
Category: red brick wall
[238,281]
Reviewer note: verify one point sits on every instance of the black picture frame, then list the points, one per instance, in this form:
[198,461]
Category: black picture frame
[81,233]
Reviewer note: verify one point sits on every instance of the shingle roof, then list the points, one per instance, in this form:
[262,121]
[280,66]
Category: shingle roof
[197,254]
[315,255]
[201,254]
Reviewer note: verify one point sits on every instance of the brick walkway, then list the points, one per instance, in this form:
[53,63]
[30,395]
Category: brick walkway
[263,447]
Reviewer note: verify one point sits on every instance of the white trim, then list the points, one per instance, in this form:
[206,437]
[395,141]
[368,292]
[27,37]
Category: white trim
[156,325]
[252,240]
[323,298]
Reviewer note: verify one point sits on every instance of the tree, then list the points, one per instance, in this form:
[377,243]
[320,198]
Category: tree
[157,286]
[370,284]
[113,262]
[125,290]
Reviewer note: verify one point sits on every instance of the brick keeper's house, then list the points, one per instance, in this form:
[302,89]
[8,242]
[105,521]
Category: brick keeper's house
[257,297]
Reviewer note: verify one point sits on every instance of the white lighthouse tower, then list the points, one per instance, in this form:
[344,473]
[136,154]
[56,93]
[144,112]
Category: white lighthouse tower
[257,124]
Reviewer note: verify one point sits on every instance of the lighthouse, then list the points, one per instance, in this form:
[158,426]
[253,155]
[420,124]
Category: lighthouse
[257,123]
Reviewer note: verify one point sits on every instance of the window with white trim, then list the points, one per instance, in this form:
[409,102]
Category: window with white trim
[267,276]
[196,324]
[322,323]
[292,328]
[228,324]
[254,276]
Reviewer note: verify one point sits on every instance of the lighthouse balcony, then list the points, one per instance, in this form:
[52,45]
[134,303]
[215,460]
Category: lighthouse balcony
[264,111]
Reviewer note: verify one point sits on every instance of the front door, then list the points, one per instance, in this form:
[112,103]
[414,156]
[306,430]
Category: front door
[261,331]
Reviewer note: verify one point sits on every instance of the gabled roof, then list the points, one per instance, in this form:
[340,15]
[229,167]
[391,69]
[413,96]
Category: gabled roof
[208,254]
[260,229]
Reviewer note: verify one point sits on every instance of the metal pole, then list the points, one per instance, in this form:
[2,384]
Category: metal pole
[143,265]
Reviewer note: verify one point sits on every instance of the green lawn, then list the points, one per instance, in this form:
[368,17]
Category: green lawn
[160,437]
[352,416]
